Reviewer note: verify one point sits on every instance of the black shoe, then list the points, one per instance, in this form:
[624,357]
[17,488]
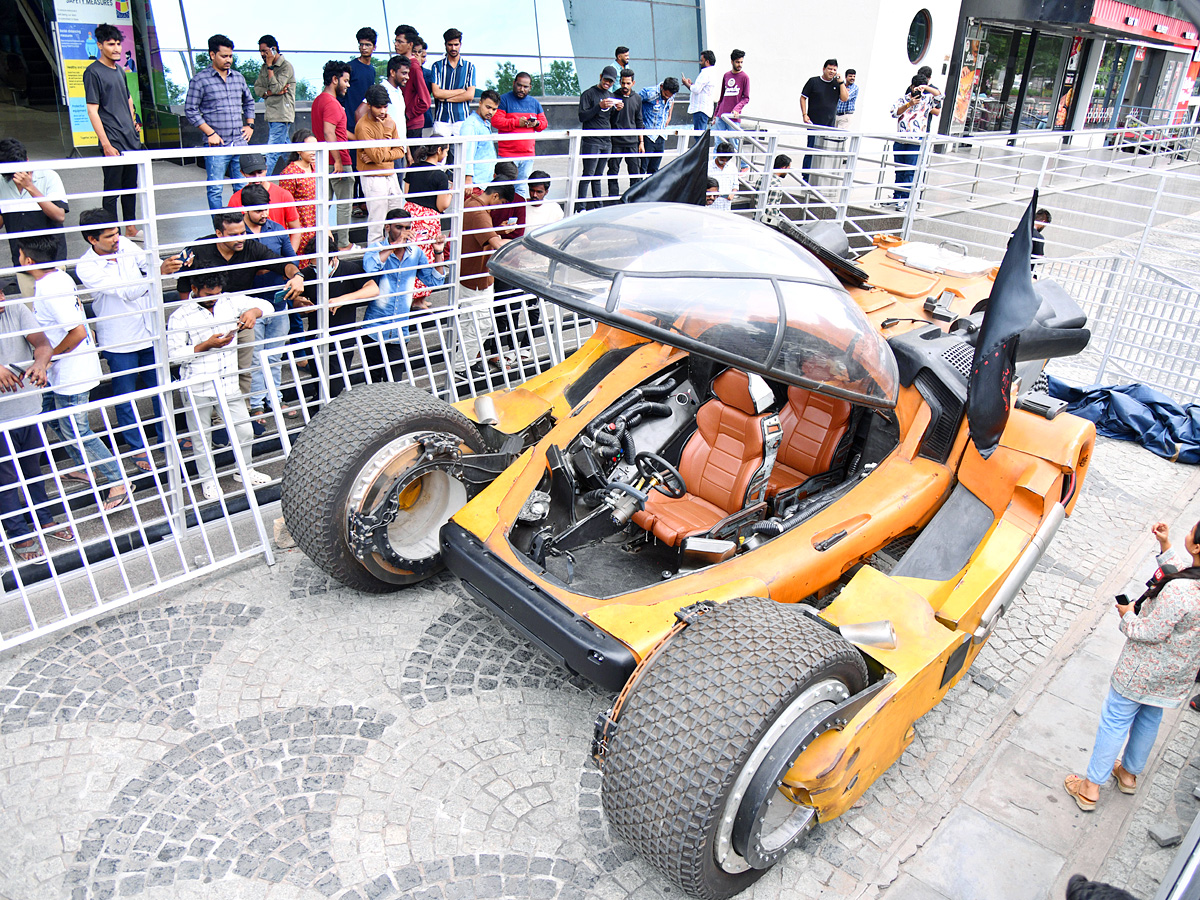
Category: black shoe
[1194,703]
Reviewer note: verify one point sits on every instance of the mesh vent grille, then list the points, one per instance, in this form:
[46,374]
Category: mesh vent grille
[947,415]
[960,357]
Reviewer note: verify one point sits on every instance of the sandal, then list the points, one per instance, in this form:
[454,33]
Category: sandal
[28,550]
[78,475]
[1072,783]
[66,534]
[1122,786]
[185,444]
[1194,703]
[142,461]
[114,503]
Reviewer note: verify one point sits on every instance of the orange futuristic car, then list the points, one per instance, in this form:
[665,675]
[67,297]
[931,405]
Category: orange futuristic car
[749,504]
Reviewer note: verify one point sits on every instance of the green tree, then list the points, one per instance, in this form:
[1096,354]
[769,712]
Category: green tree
[502,81]
[561,80]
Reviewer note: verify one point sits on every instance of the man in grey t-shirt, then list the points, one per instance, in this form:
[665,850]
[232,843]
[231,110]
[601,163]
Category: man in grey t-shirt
[24,356]
[110,110]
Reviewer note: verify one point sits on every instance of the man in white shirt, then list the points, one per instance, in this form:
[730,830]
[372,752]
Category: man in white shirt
[200,337]
[539,210]
[726,176]
[116,271]
[76,366]
[33,200]
[704,90]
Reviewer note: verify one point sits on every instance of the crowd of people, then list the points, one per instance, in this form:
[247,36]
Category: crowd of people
[251,283]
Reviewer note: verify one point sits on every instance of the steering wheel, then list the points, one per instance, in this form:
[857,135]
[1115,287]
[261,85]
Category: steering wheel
[653,467]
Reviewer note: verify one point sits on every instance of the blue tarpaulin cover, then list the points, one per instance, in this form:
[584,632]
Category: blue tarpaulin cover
[1134,412]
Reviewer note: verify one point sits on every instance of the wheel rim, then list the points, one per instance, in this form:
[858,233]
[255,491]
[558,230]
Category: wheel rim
[780,822]
[426,503]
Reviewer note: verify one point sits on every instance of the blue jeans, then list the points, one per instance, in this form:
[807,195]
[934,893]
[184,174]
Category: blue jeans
[524,167]
[277,133]
[125,376]
[274,331]
[217,168]
[22,448]
[74,430]
[906,167]
[700,120]
[722,125]
[1120,718]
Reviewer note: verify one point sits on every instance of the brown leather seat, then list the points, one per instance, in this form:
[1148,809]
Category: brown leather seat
[718,465]
[813,424]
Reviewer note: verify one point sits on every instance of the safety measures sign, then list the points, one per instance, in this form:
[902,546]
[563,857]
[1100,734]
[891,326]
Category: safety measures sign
[77,49]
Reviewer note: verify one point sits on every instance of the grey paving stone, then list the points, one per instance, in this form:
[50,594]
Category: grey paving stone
[1018,867]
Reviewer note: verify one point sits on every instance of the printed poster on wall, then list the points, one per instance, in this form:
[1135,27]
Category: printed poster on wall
[77,48]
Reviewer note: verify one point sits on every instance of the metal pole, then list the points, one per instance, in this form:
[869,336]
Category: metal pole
[162,362]
[573,145]
[321,250]
[843,208]
[1126,71]
[917,187]
[764,186]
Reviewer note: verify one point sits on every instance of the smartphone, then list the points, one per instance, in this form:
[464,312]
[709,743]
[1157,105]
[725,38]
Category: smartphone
[512,220]
[1122,600]
[185,256]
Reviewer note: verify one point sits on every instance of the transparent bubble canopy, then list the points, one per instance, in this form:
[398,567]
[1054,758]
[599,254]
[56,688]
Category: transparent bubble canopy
[711,283]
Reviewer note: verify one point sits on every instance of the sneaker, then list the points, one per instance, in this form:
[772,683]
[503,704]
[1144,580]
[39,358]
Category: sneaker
[212,490]
[254,478]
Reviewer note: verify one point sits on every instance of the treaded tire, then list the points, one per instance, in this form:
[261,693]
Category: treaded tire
[694,718]
[331,452]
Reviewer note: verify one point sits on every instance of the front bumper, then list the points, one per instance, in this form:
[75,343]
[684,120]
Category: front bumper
[569,638]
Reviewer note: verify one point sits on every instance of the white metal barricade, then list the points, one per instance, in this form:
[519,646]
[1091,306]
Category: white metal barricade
[68,558]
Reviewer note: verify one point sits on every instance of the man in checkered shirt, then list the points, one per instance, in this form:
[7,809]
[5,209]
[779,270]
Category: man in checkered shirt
[220,104]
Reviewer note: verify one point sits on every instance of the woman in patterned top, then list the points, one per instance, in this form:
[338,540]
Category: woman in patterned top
[1155,671]
[298,180]
[426,230]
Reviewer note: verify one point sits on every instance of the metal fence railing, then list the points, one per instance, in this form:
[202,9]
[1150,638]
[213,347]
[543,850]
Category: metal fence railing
[86,530]
[1122,241]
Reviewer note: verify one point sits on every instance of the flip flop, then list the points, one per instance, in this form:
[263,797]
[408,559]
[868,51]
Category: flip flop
[142,461]
[185,444]
[66,534]
[115,503]
[1118,770]
[140,236]
[1072,783]
[28,550]
[78,475]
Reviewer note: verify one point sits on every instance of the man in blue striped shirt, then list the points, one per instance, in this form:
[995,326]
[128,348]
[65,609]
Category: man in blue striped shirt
[656,116]
[453,88]
[220,104]
[845,108]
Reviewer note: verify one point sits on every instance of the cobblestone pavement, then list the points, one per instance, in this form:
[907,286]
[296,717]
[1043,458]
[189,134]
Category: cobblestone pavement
[270,734]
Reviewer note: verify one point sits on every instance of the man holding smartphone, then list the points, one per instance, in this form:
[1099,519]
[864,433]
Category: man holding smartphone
[200,336]
[520,114]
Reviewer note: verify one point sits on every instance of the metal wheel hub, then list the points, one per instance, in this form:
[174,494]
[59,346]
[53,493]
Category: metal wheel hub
[400,499]
[759,824]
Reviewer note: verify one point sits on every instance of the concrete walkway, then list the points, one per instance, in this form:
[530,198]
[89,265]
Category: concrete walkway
[269,734]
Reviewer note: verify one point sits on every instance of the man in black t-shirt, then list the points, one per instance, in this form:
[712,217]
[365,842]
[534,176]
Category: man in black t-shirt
[110,110]
[819,100]
[227,248]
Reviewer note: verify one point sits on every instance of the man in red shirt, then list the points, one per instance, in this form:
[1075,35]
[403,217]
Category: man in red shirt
[329,125]
[283,204]
[519,114]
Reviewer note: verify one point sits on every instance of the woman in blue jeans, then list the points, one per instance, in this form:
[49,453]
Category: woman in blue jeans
[1156,671]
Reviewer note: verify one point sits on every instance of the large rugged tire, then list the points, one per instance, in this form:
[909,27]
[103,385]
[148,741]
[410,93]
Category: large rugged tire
[350,453]
[691,726]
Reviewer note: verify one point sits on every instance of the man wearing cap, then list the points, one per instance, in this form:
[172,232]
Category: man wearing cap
[596,106]
[283,204]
